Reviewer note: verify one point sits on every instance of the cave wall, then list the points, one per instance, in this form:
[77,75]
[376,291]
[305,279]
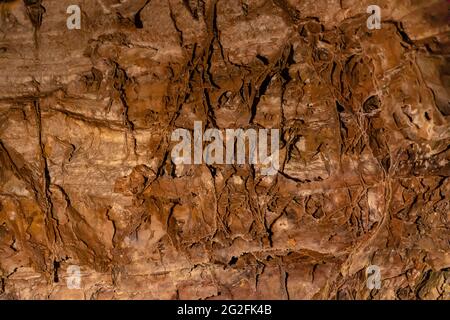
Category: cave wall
[87,179]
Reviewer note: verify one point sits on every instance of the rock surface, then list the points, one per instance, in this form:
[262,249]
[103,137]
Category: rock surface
[86,177]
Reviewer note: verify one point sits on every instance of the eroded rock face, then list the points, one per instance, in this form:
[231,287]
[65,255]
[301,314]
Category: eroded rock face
[87,180]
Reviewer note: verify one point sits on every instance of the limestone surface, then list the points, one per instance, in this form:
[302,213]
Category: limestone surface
[87,179]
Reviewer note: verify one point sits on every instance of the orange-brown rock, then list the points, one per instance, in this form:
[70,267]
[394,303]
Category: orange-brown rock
[87,180]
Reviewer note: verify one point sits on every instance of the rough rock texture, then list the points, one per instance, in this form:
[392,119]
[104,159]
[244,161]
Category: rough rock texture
[86,176]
